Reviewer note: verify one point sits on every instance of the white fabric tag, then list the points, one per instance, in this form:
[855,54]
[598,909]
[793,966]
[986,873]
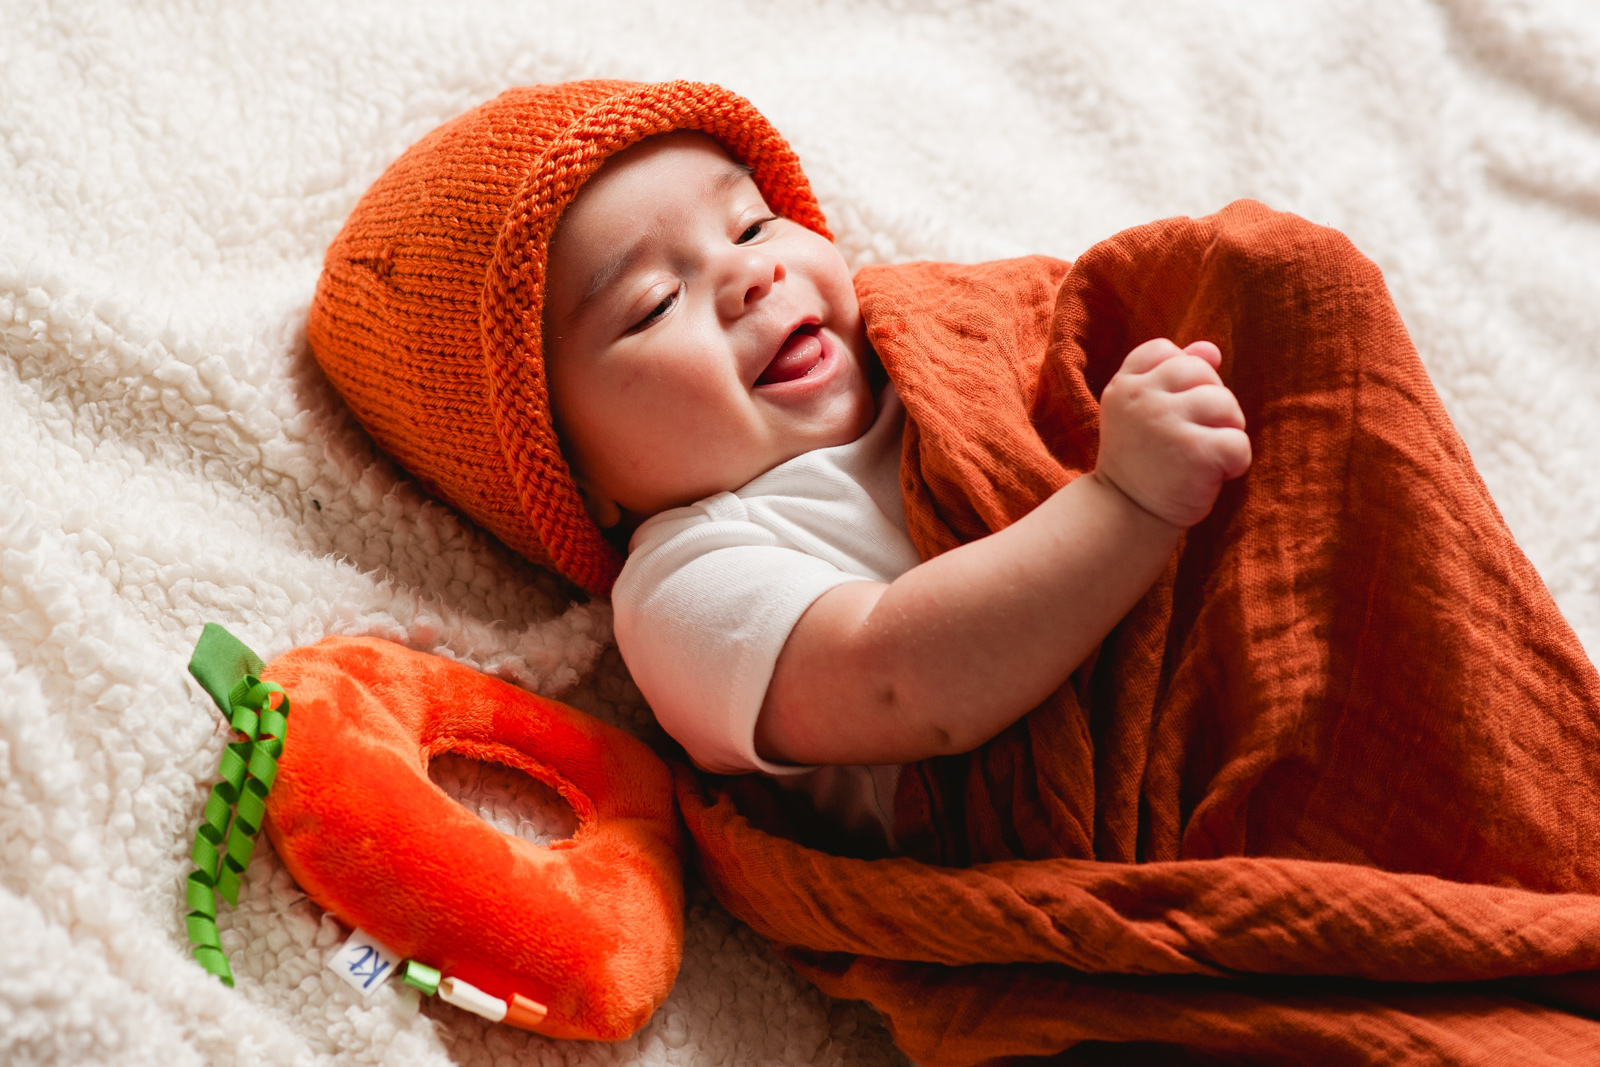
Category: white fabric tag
[363,963]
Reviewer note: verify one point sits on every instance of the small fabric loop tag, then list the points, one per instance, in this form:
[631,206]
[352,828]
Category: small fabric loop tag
[469,997]
[363,963]
[420,976]
[525,1012]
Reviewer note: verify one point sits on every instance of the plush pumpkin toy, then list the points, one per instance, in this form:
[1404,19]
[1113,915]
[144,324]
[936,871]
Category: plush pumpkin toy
[590,927]
[580,939]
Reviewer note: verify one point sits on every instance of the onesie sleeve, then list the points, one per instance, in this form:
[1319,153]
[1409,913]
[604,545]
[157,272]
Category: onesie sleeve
[702,608]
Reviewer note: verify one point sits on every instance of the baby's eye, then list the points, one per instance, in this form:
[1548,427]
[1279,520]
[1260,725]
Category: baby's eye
[655,312]
[753,231]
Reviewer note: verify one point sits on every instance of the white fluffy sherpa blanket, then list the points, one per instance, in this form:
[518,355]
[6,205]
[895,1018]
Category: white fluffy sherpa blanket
[170,173]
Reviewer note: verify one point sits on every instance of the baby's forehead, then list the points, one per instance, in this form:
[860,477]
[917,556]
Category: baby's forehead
[688,160]
[671,142]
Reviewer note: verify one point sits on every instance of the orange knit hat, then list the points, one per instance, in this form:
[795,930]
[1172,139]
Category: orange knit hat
[427,316]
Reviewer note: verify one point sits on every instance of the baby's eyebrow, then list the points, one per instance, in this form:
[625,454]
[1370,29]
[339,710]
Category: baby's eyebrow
[609,272]
[736,173]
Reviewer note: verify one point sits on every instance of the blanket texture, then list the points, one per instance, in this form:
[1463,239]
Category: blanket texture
[1348,667]
[170,175]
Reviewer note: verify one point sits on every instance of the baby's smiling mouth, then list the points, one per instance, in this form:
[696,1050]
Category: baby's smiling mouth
[797,357]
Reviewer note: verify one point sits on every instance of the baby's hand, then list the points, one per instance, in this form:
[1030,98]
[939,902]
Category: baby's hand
[1170,432]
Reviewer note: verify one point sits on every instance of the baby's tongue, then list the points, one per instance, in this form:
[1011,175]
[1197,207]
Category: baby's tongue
[801,352]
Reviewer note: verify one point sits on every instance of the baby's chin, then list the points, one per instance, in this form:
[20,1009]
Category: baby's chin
[849,415]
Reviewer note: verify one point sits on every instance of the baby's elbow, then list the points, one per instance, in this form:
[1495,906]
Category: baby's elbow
[925,728]
[953,739]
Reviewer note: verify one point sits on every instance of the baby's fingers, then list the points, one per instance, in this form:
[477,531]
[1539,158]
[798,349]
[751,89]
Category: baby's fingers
[1150,355]
[1211,405]
[1206,351]
[1155,352]
[1230,450]
[1184,372]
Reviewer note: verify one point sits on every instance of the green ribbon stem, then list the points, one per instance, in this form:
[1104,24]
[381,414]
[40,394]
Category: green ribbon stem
[230,673]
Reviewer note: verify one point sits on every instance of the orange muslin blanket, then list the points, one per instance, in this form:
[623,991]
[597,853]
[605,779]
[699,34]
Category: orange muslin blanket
[1329,794]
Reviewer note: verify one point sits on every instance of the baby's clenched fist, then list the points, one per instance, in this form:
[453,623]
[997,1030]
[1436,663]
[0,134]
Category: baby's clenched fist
[1170,432]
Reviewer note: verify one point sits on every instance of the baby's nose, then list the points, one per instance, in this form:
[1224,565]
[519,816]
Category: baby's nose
[751,279]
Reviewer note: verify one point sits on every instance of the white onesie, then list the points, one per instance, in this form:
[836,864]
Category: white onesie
[710,592]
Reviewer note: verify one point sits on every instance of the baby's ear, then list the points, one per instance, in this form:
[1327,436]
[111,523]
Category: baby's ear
[605,512]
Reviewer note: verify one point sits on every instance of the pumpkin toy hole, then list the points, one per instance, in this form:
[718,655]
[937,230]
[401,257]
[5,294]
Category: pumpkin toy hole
[507,799]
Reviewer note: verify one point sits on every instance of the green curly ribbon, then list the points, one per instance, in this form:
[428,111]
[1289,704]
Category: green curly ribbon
[227,670]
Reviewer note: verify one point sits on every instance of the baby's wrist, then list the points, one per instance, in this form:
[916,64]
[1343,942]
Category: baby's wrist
[1130,503]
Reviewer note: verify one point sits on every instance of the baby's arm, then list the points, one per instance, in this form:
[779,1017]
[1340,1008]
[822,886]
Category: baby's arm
[956,649]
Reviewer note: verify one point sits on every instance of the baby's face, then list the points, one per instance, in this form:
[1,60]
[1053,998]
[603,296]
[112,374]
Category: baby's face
[693,340]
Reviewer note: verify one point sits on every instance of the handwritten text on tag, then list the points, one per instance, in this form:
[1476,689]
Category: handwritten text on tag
[363,962]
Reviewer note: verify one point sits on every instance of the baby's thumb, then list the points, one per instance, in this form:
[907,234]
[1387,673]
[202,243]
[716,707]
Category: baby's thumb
[1206,351]
[1235,453]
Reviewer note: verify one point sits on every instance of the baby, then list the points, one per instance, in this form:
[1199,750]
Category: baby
[619,303]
